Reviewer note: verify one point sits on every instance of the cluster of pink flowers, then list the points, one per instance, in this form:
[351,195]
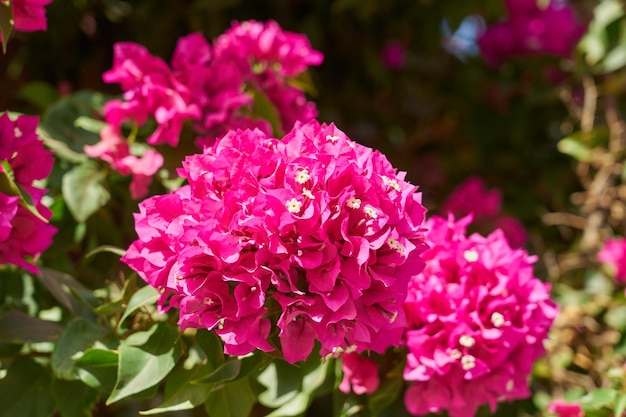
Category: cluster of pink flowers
[314,236]
[29,15]
[531,29]
[564,409]
[473,197]
[360,374]
[213,87]
[614,253]
[24,230]
[477,318]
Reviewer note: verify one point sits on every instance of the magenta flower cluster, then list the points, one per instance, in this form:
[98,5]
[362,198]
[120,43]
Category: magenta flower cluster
[309,238]
[532,29]
[29,15]
[613,253]
[485,206]
[477,318]
[211,87]
[24,230]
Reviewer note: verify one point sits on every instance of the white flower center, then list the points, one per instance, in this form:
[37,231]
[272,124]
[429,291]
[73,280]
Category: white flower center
[354,203]
[467,341]
[470,255]
[468,362]
[497,319]
[332,138]
[308,194]
[395,245]
[371,212]
[390,182]
[302,176]
[293,206]
[455,354]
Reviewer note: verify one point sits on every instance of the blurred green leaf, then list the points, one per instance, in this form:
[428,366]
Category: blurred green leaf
[181,393]
[143,367]
[599,398]
[616,318]
[6,23]
[575,148]
[78,335]
[74,398]
[237,368]
[65,288]
[263,108]
[19,327]
[59,123]
[391,387]
[142,297]
[211,345]
[98,369]
[38,93]
[620,404]
[84,191]
[233,399]
[25,390]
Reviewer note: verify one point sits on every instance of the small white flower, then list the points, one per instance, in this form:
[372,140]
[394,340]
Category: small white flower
[455,354]
[302,176]
[308,194]
[470,255]
[395,245]
[371,212]
[467,341]
[468,362]
[390,182]
[332,138]
[293,206]
[354,203]
[497,319]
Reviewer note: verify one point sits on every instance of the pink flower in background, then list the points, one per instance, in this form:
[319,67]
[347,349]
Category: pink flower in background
[393,55]
[323,227]
[564,409]
[614,254]
[29,15]
[473,197]
[360,374]
[242,81]
[531,29]
[24,231]
[287,53]
[477,318]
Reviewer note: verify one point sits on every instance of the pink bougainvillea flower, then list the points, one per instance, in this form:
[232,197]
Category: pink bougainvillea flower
[393,55]
[29,15]
[473,197]
[24,231]
[314,229]
[564,409]
[360,374]
[614,253]
[531,29]
[477,318]
[267,44]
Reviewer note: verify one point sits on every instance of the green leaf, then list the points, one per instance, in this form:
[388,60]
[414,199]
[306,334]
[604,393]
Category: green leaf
[237,368]
[84,191]
[283,382]
[25,390]
[142,297]
[620,404]
[574,148]
[143,367]
[73,398]
[388,391]
[6,23]
[211,345]
[234,399]
[599,398]
[38,93]
[19,327]
[65,288]
[58,124]
[181,393]
[262,107]
[98,369]
[78,335]
[106,248]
